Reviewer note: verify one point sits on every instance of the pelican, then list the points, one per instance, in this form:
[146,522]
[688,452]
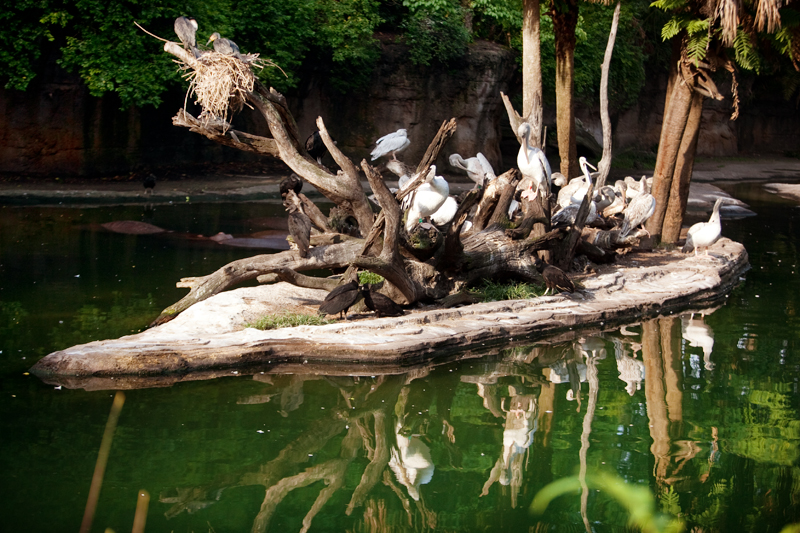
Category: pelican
[533,164]
[445,214]
[391,143]
[566,216]
[704,233]
[427,199]
[639,210]
[559,179]
[574,192]
[620,200]
[185,29]
[224,46]
[604,197]
[634,187]
[477,168]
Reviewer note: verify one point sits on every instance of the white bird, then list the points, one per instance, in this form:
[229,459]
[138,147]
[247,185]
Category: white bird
[391,143]
[533,164]
[633,187]
[604,197]
[445,214]
[699,335]
[620,200]
[574,192]
[427,199]
[559,179]
[704,233]
[639,210]
[566,216]
[477,168]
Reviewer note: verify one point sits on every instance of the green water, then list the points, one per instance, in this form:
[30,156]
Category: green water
[712,433]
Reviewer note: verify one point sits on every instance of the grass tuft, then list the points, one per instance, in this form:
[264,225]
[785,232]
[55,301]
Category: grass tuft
[288,320]
[369,278]
[492,291]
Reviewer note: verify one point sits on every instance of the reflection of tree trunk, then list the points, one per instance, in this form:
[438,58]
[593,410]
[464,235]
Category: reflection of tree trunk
[565,20]
[594,386]
[655,397]
[374,470]
[673,381]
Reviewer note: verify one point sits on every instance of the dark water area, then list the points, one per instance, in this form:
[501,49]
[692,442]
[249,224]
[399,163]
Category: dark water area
[699,411]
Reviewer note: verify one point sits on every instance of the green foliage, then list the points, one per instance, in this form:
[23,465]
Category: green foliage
[288,320]
[492,291]
[745,52]
[435,31]
[638,501]
[369,278]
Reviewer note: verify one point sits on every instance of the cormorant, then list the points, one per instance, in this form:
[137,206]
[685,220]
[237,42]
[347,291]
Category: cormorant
[224,46]
[315,147]
[381,304]
[149,183]
[185,29]
[292,182]
[340,299]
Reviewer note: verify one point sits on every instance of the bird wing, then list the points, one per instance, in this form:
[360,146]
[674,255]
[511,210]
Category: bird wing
[486,166]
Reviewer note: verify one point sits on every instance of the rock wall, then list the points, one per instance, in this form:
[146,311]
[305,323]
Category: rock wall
[57,128]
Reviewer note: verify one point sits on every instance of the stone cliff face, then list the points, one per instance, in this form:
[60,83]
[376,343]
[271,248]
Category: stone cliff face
[57,128]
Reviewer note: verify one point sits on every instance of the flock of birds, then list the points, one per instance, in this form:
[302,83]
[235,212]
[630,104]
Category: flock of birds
[186,30]
[627,199]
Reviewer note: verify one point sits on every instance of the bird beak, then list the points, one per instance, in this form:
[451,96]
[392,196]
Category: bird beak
[210,40]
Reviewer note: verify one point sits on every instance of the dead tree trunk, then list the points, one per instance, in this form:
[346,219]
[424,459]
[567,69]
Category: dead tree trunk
[605,162]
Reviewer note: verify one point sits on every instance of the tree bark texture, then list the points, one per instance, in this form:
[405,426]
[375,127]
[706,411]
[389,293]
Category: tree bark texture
[605,162]
[531,67]
[669,145]
[679,193]
[565,20]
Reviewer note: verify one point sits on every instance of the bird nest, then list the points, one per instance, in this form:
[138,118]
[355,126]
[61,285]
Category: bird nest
[220,84]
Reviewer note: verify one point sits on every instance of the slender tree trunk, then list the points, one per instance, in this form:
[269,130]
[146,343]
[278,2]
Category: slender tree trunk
[564,22]
[605,162]
[531,65]
[679,193]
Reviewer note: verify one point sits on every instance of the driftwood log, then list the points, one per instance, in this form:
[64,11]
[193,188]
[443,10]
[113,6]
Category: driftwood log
[454,259]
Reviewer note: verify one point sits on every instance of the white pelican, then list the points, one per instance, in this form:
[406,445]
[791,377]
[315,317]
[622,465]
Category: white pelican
[639,210]
[391,143]
[566,216]
[533,164]
[477,168]
[427,199]
[411,462]
[704,233]
[574,192]
[445,213]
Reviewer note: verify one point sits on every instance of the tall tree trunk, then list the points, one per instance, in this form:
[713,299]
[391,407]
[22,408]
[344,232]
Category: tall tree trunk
[675,118]
[605,162]
[565,20]
[679,193]
[532,69]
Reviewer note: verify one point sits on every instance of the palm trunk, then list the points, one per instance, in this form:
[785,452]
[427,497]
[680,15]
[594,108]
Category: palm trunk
[679,194]
[532,69]
[564,23]
[669,146]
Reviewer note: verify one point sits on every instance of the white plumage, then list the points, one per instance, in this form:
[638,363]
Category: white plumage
[576,189]
[477,168]
[639,210]
[704,234]
[445,214]
[427,199]
[533,164]
[391,143]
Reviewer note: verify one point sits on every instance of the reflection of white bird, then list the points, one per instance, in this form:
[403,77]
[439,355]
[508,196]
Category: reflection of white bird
[411,462]
[698,335]
[391,143]
[533,164]
[631,370]
[445,214]
[477,168]
[704,233]
[427,199]
[639,210]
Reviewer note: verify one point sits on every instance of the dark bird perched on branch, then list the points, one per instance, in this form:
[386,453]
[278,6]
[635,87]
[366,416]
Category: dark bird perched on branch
[185,29]
[149,183]
[292,182]
[381,304]
[554,277]
[224,46]
[300,229]
[340,299]
[315,147]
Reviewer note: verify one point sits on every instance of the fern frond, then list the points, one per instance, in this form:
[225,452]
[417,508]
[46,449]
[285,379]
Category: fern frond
[697,47]
[746,55]
[696,26]
[672,28]
[669,5]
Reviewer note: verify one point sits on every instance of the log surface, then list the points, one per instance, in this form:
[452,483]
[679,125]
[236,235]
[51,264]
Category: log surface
[208,340]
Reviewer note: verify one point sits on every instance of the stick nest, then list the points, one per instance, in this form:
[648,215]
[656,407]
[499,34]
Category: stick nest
[220,84]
